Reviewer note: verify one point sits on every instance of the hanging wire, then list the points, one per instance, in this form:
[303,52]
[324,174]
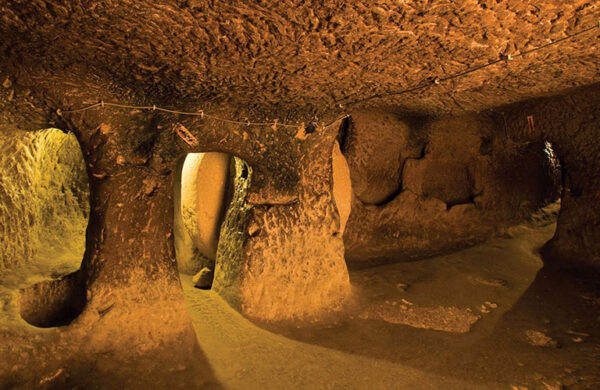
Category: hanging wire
[439,80]
[188,113]
[420,86]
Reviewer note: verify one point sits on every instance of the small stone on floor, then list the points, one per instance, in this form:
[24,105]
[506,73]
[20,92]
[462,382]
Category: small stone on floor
[203,279]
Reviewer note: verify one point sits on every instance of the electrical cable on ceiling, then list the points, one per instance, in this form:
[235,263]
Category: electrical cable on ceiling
[420,86]
[437,80]
[200,113]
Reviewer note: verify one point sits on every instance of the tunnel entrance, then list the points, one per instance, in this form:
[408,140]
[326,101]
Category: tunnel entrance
[468,280]
[462,184]
[447,184]
[44,212]
[204,188]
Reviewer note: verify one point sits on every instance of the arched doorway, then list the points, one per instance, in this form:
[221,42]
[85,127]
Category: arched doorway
[204,191]
[44,193]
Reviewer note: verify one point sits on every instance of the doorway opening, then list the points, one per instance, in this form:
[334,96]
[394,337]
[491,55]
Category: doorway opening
[44,212]
[206,186]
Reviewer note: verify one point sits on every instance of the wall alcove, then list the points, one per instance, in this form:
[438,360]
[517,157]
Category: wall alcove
[44,211]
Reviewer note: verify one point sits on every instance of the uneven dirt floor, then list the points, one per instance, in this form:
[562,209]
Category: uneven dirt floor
[488,317]
[512,303]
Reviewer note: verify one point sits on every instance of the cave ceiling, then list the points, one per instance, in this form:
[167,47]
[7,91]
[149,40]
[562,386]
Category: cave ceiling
[307,55]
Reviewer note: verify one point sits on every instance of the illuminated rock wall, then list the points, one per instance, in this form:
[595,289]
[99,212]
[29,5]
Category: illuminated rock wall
[342,186]
[200,208]
[44,201]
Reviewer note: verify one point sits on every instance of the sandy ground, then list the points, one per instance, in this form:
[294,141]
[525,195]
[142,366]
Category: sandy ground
[484,318]
[499,283]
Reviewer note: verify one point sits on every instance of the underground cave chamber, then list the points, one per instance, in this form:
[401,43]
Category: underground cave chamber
[440,231]
[299,195]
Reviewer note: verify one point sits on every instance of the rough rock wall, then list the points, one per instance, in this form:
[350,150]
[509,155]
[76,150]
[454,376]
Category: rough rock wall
[460,180]
[377,145]
[44,199]
[571,123]
[230,261]
[283,261]
[291,52]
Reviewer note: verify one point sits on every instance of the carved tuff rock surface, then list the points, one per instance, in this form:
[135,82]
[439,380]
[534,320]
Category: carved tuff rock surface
[265,151]
[291,53]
